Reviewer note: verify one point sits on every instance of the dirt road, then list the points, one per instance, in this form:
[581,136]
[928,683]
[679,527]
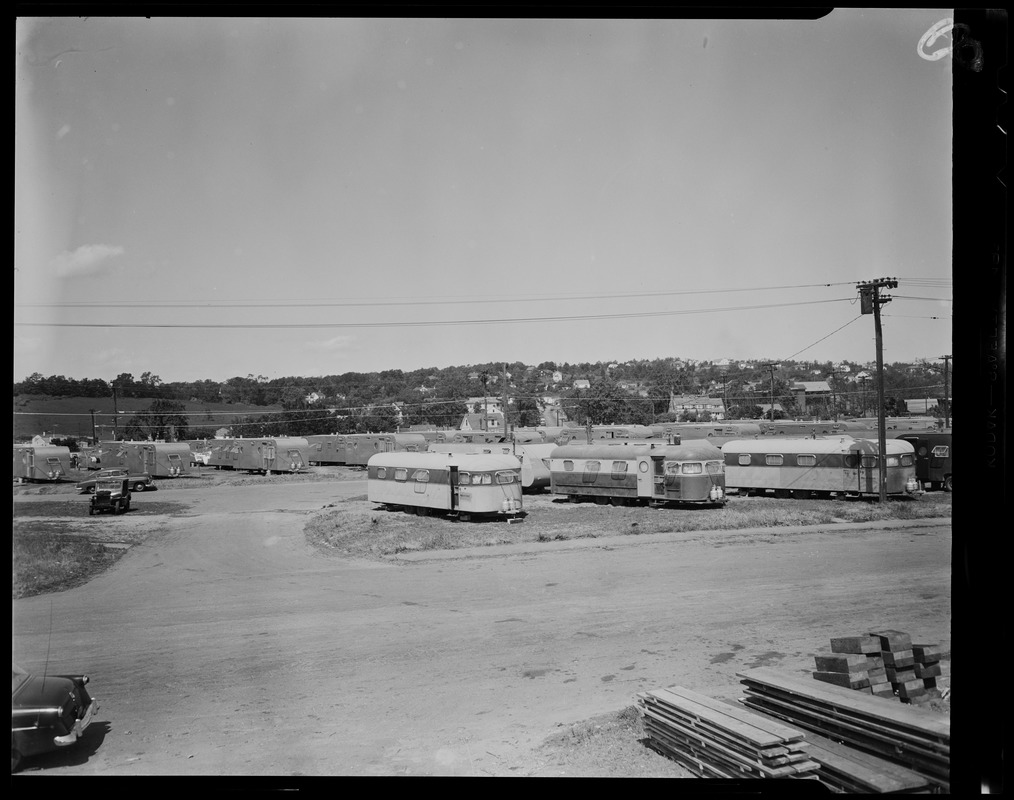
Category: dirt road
[224,645]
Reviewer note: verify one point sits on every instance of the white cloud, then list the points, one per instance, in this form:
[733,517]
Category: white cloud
[88,259]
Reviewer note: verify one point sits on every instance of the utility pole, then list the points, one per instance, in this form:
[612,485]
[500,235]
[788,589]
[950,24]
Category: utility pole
[870,302]
[485,402]
[505,425]
[94,439]
[947,400]
[772,368]
[115,415]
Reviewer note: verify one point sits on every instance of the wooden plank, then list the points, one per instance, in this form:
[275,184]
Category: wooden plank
[783,732]
[670,717]
[842,662]
[919,720]
[858,680]
[859,771]
[711,753]
[769,757]
[873,774]
[745,730]
[892,641]
[855,644]
[885,746]
[816,712]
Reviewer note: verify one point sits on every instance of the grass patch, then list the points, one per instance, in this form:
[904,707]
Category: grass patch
[47,560]
[359,529]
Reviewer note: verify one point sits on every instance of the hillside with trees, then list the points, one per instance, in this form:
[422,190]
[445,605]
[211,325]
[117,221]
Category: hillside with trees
[633,392]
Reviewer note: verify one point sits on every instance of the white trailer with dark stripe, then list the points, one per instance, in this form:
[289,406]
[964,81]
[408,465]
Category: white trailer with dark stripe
[462,485]
[534,458]
[818,466]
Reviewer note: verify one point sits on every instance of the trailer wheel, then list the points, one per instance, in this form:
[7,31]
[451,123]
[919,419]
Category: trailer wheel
[91,511]
[947,483]
[139,486]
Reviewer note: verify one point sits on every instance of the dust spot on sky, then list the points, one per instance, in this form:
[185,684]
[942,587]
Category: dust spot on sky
[509,619]
[721,658]
[408,603]
[607,678]
[627,669]
[532,674]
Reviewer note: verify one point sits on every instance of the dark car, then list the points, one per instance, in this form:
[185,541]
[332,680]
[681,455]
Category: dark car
[47,712]
[111,494]
[138,482]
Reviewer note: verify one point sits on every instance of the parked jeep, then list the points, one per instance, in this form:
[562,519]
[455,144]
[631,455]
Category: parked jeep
[111,494]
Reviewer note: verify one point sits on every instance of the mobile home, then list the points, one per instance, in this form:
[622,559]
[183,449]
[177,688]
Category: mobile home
[157,459]
[266,455]
[41,463]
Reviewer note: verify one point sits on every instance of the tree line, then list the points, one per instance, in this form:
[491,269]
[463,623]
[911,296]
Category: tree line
[356,402]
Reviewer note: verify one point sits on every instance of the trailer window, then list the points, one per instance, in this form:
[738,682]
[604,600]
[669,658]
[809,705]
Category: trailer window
[907,459]
[744,459]
[592,466]
[941,451]
[851,461]
[672,468]
[591,471]
[506,477]
[868,461]
[893,461]
[568,465]
[773,459]
[693,468]
[421,475]
[401,473]
[464,478]
[619,469]
[715,467]
[806,460]
[381,472]
[485,479]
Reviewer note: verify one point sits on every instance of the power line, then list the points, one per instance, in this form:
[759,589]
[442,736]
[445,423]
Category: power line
[425,323]
[393,301]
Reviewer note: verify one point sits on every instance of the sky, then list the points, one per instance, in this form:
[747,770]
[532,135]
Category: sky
[202,198]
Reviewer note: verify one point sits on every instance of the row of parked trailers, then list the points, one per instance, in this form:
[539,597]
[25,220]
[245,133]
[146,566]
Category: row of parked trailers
[52,463]
[531,447]
[646,472]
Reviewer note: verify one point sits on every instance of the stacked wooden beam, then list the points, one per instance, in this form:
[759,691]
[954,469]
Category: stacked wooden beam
[883,663]
[915,738]
[899,662]
[929,666]
[719,740]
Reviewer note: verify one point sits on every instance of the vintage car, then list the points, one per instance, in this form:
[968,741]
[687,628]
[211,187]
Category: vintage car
[138,483]
[47,712]
[111,494]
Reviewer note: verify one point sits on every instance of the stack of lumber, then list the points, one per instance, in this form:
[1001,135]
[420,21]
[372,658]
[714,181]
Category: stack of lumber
[883,663]
[928,665]
[915,738]
[855,663]
[718,740]
[899,663]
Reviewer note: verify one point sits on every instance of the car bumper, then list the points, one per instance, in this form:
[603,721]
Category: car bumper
[79,727]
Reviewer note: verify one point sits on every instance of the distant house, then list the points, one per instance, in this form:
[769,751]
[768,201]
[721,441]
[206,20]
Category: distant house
[490,404]
[697,404]
[809,391]
[480,422]
[581,383]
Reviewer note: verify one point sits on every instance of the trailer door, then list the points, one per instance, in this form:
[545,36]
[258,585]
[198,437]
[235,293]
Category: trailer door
[268,456]
[644,476]
[148,459]
[453,482]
